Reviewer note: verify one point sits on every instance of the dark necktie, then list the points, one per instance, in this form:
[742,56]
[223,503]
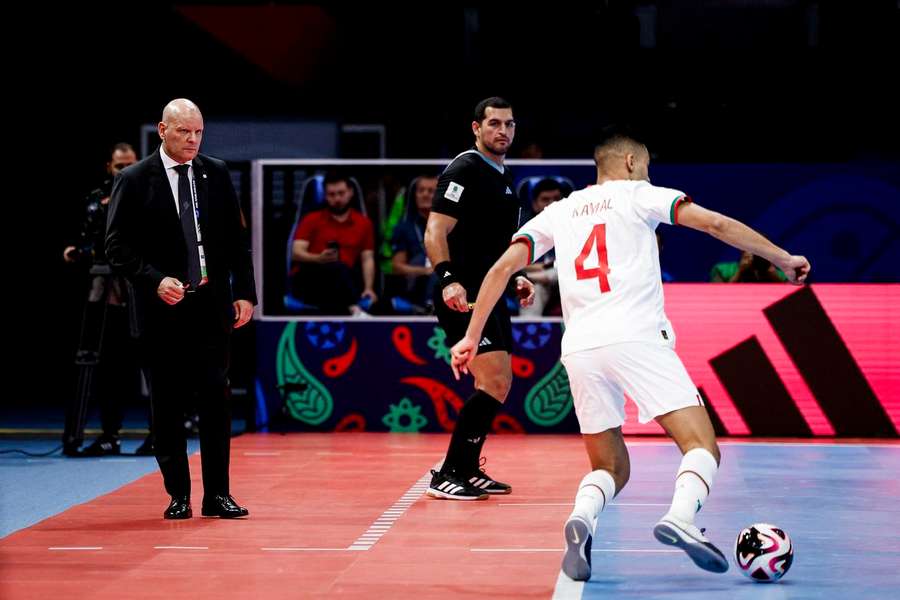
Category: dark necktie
[188,227]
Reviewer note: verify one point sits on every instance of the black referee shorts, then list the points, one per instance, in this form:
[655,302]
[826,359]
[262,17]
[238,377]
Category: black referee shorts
[497,334]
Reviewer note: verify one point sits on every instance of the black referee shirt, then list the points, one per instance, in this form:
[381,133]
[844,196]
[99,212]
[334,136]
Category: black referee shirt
[474,191]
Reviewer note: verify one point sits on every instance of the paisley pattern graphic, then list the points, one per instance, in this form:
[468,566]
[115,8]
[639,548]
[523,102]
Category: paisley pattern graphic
[403,342]
[438,343]
[337,366]
[532,336]
[441,396]
[405,417]
[305,397]
[550,400]
[324,335]
[522,367]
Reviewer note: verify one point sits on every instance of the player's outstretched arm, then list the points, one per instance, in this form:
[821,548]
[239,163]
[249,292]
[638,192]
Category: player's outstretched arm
[734,233]
[514,259]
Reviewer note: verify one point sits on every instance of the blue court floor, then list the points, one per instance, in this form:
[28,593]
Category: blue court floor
[34,488]
[840,504]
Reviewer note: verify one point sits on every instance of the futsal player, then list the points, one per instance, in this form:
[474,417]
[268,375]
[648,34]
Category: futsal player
[618,339]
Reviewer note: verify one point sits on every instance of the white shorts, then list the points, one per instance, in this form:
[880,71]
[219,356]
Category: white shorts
[651,374]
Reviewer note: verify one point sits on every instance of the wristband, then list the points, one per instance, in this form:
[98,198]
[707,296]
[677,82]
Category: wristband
[446,273]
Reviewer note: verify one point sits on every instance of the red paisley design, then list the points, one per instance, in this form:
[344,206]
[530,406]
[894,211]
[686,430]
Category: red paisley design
[402,338]
[352,422]
[507,424]
[337,366]
[522,367]
[440,396]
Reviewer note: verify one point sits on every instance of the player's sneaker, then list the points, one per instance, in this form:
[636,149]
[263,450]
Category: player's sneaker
[450,487]
[576,561]
[675,532]
[483,481]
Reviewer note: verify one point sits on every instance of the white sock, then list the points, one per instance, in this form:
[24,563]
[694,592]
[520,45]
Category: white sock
[693,483]
[594,493]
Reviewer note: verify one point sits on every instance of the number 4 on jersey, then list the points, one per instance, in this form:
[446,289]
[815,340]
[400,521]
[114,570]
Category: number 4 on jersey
[601,272]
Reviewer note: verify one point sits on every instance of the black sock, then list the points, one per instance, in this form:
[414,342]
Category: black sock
[472,426]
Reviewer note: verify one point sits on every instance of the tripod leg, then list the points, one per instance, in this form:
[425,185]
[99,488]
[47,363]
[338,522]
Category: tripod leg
[93,325]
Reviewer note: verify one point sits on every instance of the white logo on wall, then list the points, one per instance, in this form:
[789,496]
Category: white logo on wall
[454,192]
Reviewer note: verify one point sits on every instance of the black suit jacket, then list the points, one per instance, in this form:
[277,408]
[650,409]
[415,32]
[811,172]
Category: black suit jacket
[144,240]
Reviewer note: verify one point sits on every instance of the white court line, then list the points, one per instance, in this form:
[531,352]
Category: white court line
[181,547]
[807,444]
[570,504]
[75,548]
[435,454]
[516,549]
[641,551]
[388,518]
[535,503]
[566,588]
[262,453]
[626,550]
[303,549]
[727,442]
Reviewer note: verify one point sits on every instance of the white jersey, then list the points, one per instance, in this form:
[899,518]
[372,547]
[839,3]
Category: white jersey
[608,261]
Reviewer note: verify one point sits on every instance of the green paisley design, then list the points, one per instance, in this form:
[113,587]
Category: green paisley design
[550,400]
[438,343]
[314,404]
[405,417]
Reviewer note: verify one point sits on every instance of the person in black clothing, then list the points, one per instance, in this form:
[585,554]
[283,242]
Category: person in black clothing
[474,216]
[176,231]
[106,359]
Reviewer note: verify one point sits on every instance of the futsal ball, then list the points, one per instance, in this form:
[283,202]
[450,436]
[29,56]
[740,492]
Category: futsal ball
[763,552]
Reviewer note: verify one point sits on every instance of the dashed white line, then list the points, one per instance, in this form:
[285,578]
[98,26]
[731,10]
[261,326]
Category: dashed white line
[388,518]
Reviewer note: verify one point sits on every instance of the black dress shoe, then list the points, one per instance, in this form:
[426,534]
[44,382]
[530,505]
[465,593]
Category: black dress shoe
[223,507]
[146,447]
[72,450]
[179,508]
[105,445]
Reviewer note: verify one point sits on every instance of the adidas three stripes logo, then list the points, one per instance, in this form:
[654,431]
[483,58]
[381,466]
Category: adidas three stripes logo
[449,488]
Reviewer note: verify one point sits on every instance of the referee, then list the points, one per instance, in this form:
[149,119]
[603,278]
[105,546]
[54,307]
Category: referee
[474,216]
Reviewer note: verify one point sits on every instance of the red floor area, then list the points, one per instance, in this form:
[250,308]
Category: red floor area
[312,496]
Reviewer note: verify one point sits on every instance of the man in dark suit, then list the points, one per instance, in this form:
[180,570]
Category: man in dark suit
[175,230]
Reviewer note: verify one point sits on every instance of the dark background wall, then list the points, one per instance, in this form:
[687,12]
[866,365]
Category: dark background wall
[724,81]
